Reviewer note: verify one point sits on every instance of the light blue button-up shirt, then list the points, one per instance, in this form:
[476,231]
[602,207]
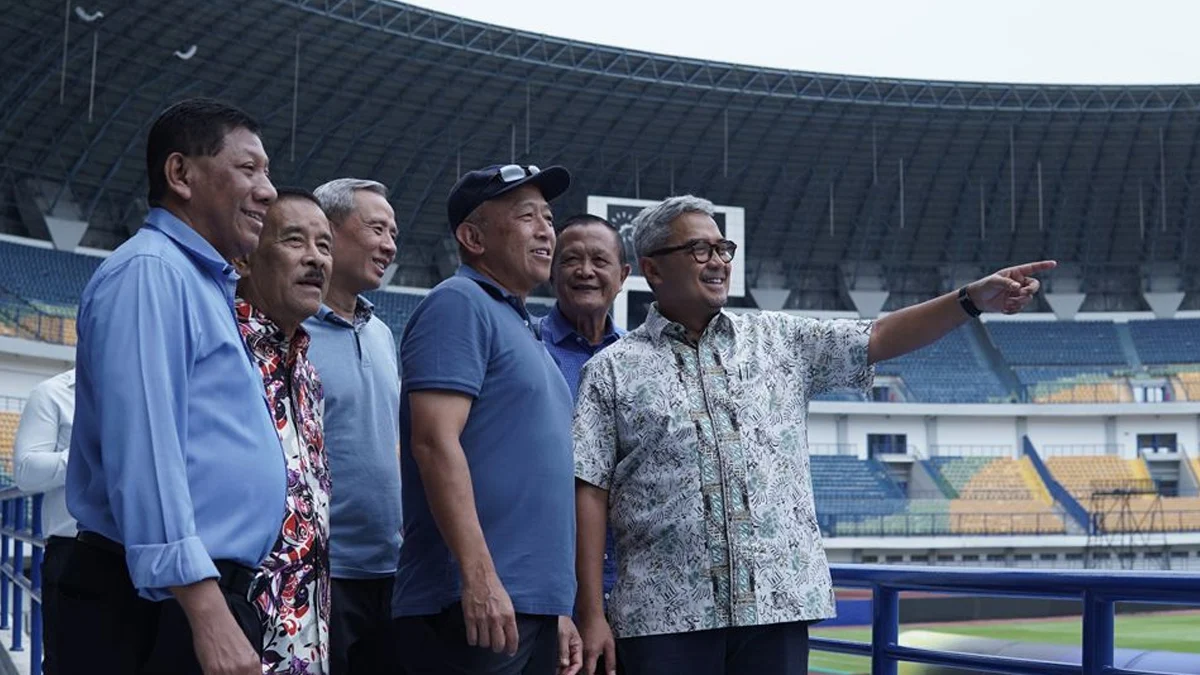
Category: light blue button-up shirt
[173,453]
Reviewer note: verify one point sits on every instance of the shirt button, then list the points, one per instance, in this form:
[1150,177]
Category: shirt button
[606,596]
[606,556]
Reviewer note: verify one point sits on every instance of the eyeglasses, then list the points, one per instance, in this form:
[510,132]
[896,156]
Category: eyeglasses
[701,250]
[515,172]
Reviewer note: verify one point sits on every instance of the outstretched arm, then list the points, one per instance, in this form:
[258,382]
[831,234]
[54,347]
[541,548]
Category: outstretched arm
[912,328]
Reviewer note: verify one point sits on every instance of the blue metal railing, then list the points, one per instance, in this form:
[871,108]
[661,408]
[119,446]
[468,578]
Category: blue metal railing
[1098,591]
[21,526]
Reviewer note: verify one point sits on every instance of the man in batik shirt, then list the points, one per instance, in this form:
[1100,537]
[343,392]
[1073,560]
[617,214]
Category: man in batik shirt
[693,428]
[283,283]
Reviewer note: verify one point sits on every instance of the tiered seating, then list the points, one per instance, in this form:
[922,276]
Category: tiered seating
[1079,474]
[48,279]
[1186,385]
[394,308]
[851,494]
[1151,514]
[1166,342]
[1058,343]
[1076,384]
[948,371]
[8,432]
[998,495]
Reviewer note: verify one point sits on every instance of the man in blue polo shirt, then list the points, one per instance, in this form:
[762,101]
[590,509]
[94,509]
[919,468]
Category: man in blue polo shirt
[589,269]
[486,579]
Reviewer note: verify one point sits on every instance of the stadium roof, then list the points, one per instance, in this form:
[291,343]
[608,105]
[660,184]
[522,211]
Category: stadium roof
[904,174]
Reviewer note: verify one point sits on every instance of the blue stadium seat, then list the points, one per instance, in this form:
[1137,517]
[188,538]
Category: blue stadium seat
[948,371]
[1058,343]
[1171,341]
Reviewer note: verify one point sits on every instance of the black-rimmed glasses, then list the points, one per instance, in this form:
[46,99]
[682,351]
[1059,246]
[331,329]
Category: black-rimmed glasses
[701,250]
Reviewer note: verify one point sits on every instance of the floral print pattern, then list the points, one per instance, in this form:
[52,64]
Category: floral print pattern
[292,586]
[703,448]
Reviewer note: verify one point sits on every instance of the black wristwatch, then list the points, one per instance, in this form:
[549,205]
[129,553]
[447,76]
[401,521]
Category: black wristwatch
[965,302]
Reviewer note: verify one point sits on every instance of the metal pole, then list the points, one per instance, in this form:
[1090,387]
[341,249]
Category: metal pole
[1012,182]
[982,214]
[62,85]
[726,143]
[902,193]
[637,178]
[885,629]
[874,157]
[295,95]
[1097,633]
[1162,177]
[512,146]
[672,176]
[1041,223]
[1141,213]
[831,209]
[528,112]
[92,90]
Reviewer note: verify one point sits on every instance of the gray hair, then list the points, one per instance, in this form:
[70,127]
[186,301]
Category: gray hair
[337,196]
[652,227]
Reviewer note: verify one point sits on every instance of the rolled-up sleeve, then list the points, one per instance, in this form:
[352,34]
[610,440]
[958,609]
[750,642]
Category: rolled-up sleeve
[141,351]
[595,427]
[38,465]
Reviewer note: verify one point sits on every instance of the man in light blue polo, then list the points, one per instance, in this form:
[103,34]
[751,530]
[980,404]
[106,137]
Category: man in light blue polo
[355,355]
[486,580]
[176,474]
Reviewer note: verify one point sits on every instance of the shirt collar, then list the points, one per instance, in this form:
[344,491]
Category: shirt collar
[661,327]
[191,242]
[493,289]
[558,329]
[364,309]
[264,337]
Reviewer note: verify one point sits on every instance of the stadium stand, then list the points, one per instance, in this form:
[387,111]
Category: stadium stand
[1080,475]
[1058,343]
[1166,342]
[8,432]
[951,370]
[997,495]
[49,280]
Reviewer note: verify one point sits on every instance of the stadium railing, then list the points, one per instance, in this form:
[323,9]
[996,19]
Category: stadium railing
[1099,591]
[21,526]
[971,451]
[1089,450]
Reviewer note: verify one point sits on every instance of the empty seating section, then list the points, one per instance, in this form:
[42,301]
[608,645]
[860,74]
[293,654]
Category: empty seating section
[1082,475]
[1058,343]
[1167,342]
[948,371]
[8,432]
[394,309]
[1186,385]
[997,495]
[49,280]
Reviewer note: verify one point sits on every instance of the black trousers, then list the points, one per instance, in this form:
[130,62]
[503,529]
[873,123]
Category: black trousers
[437,645]
[360,627]
[775,649]
[102,625]
[58,550]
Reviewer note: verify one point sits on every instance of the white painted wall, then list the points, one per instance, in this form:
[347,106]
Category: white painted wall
[860,426]
[20,374]
[1059,431]
[976,431]
[1183,426]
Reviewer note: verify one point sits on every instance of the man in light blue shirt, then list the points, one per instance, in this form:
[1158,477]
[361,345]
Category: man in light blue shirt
[355,354]
[176,474]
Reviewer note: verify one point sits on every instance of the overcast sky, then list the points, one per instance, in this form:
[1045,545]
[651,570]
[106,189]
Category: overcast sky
[1049,41]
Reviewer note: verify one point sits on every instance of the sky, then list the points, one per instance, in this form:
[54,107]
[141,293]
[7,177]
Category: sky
[1029,41]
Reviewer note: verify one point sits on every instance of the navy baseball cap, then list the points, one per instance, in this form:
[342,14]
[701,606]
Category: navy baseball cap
[478,186]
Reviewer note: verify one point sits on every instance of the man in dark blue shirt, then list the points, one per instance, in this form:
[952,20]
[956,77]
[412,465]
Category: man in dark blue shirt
[486,580]
[176,475]
[589,269]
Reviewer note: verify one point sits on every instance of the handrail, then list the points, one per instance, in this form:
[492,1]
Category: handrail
[1098,591]
[21,525]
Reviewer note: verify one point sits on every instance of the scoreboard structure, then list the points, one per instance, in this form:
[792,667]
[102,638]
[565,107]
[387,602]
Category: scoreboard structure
[632,303]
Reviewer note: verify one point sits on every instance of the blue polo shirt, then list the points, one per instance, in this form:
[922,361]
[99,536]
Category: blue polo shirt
[471,336]
[357,364]
[174,452]
[570,351]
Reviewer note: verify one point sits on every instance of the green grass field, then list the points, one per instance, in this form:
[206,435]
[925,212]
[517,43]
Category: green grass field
[1159,632]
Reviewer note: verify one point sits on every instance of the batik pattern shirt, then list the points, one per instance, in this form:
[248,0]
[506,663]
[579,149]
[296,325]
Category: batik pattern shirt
[703,447]
[292,587]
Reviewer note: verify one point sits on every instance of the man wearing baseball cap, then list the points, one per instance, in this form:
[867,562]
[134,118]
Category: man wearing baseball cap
[486,580]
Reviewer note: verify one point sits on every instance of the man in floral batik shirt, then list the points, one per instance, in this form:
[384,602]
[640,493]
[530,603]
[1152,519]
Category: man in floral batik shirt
[693,428]
[283,283]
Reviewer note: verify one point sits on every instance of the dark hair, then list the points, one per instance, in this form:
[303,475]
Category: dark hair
[194,127]
[285,192]
[589,219]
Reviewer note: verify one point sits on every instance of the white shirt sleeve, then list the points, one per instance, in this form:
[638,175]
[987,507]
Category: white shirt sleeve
[39,464]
